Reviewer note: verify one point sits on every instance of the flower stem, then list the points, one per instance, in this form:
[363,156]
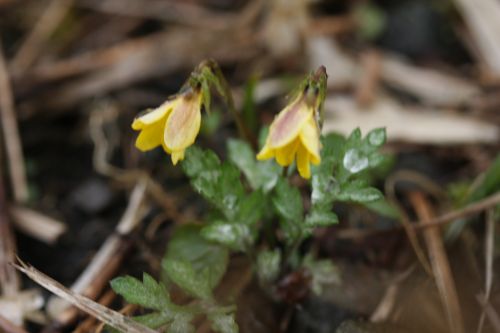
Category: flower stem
[244,132]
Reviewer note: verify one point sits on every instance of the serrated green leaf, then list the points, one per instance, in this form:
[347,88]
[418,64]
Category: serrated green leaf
[182,324]
[368,194]
[260,175]
[251,209]
[357,191]
[376,137]
[187,244]
[219,183]
[155,319]
[362,154]
[148,294]
[355,161]
[235,236]
[321,218]
[288,202]
[355,135]
[324,189]
[183,274]
[268,265]
[223,323]
[198,161]
[383,208]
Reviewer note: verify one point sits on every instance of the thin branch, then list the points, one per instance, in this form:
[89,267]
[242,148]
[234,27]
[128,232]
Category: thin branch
[105,262]
[472,209]
[108,316]
[9,279]
[43,29]
[440,264]
[37,225]
[11,134]
[489,248]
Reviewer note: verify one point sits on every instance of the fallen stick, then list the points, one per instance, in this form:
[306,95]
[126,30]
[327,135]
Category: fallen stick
[108,316]
[37,225]
[440,264]
[49,20]
[105,263]
[472,209]
[12,140]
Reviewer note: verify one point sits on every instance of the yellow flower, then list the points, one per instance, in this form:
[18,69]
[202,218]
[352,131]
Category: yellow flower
[294,134]
[174,125]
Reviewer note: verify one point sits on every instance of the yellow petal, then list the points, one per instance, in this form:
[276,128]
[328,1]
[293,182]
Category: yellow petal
[183,123]
[265,153]
[286,155]
[303,162]
[287,125]
[151,136]
[152,116]
[309,136]
[177,156]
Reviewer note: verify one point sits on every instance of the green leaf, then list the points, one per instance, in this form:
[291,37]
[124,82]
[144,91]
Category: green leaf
[356,191]
[251,209]
[383,207]
[223,323]
[355,161]
[235,236]
[490,183]
[321,218]
[323,272]
[376,137]
[187,244]
[148,294]
[183,274]
[260,175]
[222,187]
[182,324]
[361,154]
[268,265]
[198,161]
[288,202]
[155,319]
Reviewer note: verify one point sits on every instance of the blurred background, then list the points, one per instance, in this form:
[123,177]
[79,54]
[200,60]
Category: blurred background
[75,73]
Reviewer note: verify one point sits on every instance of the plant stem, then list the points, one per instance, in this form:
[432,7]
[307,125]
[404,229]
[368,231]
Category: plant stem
[228,96]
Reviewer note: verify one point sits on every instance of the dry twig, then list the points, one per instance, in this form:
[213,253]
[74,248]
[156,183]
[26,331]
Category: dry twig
[481,17]
[44,27]
[85,304]
[104,264]
[489,247]
[11,134]
[37,225]
[440,265]
[370,78]
[472,209]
